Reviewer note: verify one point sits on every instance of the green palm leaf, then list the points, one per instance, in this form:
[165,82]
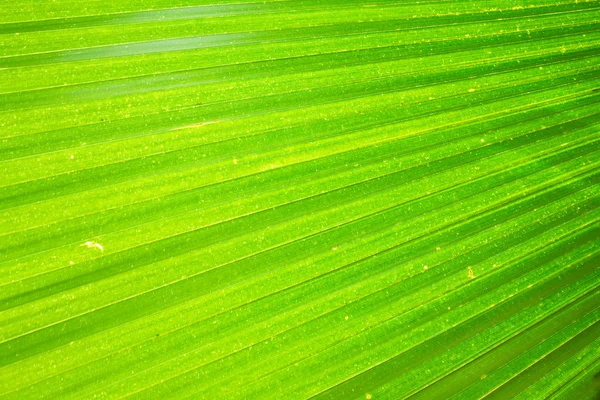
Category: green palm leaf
[299,199]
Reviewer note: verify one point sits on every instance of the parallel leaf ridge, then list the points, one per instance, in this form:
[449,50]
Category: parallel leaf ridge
[300,199]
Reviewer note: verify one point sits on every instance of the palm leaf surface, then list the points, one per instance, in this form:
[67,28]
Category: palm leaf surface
[296,199]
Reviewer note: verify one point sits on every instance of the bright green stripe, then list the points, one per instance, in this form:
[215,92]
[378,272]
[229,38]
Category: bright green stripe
[493,164]
[179,204]
[54,358]
[62,330]
[303,90]
[112,292]
[191,156]
[170,14]
[295,199]
[408,189]
[286,213]
[350,274]
[330,323]
[358,289]
[68,8]
[35,10]
[356,352]
[462,274]
[506,56]
[441,38]
[213,172]
[211,132]
[167,8]
[254,29]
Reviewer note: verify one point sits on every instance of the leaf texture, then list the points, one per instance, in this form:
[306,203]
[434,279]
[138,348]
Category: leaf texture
[299,199]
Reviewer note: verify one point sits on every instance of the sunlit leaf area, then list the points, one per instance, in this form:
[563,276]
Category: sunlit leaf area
[299,199]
